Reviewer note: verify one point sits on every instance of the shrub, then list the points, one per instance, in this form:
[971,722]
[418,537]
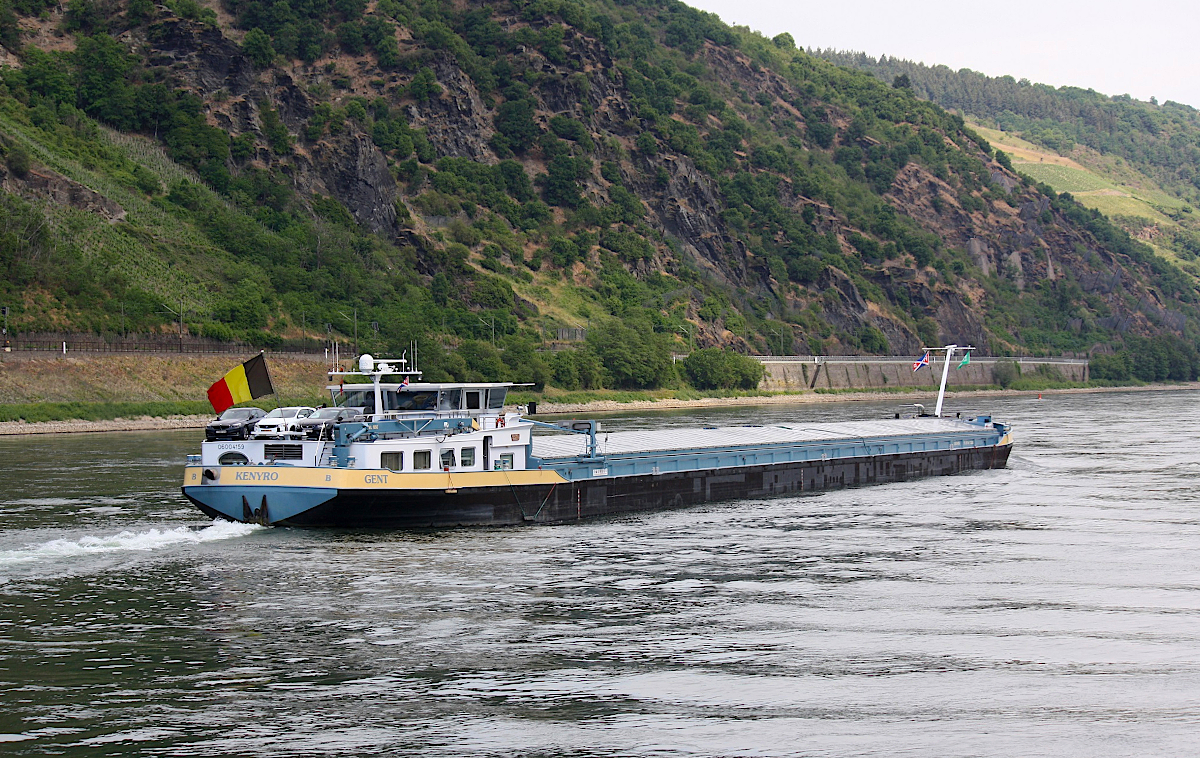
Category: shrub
[1115,367]
[18,161]
[258,48]
[873,341]
[1004,373]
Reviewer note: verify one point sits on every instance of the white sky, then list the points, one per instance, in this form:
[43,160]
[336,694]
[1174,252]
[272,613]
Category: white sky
[1143,49]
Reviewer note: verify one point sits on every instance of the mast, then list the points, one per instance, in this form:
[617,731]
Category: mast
[949,349]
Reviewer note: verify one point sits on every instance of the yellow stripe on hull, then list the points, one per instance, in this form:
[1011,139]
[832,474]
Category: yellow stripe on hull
[362,479]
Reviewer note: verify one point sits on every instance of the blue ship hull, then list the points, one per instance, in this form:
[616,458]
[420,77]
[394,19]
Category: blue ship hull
[585,492]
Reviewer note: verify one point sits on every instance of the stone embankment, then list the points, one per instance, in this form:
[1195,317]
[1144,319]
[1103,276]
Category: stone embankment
[799,373]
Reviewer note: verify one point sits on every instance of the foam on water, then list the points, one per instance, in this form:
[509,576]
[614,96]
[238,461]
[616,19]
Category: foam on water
[65,501]
[151,539]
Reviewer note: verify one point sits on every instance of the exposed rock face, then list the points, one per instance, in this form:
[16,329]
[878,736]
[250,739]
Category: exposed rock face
[456,122]
[1024,241]
[355,172]
[1004,181]
[200,55]
[981,254]
[45,184]
[690,211]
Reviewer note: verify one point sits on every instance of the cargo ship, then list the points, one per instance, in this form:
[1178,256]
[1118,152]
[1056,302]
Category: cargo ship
[431,455]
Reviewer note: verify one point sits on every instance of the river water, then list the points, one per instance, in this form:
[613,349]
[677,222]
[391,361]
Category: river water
[1048,609]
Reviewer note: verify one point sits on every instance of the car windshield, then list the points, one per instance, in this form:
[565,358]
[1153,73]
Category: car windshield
[282,413]
[236,414]
[326,413]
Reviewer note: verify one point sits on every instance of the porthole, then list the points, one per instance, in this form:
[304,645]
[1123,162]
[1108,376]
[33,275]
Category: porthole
[233,458]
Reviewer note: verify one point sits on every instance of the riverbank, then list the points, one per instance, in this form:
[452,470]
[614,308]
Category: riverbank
[147,423]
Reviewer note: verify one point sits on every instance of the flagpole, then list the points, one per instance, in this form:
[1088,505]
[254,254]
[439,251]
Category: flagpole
[949,350]
[945,374]
[271,379]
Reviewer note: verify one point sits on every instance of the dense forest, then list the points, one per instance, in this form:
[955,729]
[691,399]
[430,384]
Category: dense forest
[475,177]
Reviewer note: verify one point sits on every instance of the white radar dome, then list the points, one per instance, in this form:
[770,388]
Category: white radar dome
[366,363]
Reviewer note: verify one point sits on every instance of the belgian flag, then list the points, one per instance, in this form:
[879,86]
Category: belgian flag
[243,384]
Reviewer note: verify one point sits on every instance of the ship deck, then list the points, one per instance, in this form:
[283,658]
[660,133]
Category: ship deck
[558,446]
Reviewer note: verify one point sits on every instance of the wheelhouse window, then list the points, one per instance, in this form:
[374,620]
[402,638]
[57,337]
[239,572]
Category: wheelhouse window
[448,458]
[473,399]
[466,457]
[400,400]
[422,460]
[496,397]
[356,398]
[450,400]
[392,461]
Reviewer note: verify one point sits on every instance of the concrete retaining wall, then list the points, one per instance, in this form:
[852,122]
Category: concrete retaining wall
[801,372]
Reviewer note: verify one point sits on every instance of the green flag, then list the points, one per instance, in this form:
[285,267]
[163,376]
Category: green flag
[966,359]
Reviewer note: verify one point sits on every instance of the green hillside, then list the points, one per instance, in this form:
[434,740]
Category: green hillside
[1136,162]
[1122,193]
[1161,140]
[475,178]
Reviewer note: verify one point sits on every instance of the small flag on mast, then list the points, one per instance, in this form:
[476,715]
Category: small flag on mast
[923,362]
[966,360]
[241,385]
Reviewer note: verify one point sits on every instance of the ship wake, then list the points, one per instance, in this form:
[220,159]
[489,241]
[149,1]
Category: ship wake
[126,541]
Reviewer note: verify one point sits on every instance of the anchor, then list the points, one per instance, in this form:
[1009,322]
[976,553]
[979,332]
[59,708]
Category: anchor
[258,515]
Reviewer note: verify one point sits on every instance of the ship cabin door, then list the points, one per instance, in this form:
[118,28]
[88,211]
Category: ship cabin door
[487,453]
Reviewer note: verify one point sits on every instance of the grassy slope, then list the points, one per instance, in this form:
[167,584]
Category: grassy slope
[142,378]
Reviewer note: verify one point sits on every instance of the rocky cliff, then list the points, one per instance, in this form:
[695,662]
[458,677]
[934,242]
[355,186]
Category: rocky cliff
[723,187]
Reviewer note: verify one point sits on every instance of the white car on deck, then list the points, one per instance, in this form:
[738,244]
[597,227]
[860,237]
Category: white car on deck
[282,423]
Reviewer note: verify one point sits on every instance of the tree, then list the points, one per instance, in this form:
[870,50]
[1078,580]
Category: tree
[46,75]
[561,187]
[646,144]
[784,41]
[388,52]
[632,358]
[515,125]
[102,66]
[273,129]
[424,85]
[715,368]
[901,82]
[350,37]
[257,47]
